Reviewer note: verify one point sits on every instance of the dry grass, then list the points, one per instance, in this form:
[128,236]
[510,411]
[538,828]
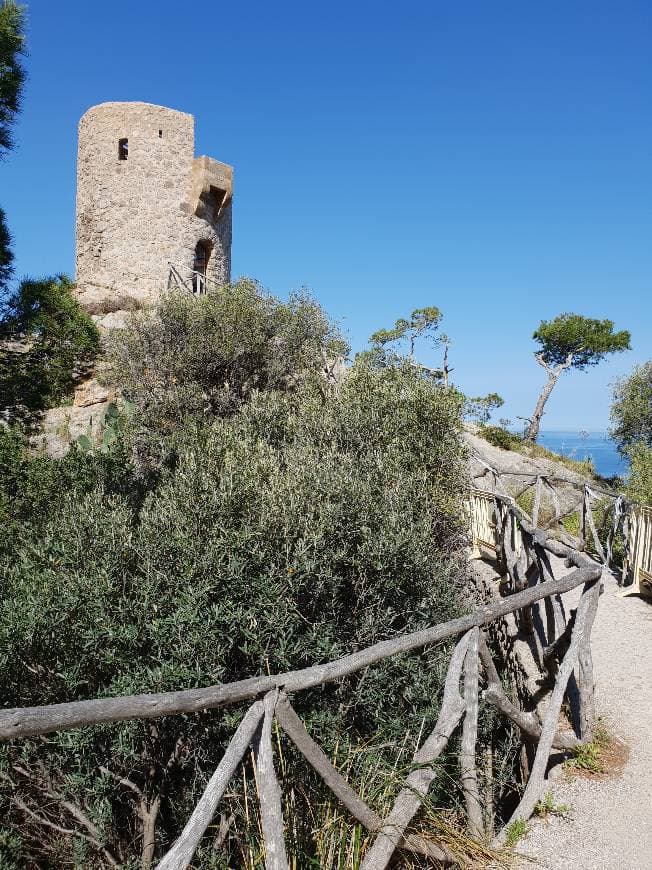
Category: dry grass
[329,835]
[584,467]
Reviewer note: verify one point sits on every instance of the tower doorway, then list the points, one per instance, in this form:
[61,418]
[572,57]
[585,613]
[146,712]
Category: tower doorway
[200,266]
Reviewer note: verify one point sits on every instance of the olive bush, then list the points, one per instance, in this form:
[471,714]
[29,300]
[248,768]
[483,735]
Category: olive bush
[639,480]
[631,429]
[204,357]
[292,525]
[631,409]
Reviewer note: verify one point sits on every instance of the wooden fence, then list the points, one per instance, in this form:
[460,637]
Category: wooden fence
[617,520]
[480,509]
[526,553]
[189,280]
[637,564]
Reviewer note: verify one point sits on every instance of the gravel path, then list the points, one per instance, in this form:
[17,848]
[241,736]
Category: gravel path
[609,826]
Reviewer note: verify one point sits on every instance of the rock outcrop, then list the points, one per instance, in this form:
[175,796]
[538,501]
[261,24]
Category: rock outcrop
[511,473]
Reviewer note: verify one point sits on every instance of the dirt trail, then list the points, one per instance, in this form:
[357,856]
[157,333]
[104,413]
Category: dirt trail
[609,826]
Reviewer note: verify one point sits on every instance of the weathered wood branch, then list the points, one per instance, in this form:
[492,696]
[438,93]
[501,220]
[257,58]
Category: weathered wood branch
[559,647]
[594,532]
[181,853]
[317,758]
[27,721]
[537,501]
[319,761]
[534,786]
[419,780]
[269,791]
[585,681]
[527,722]
[46,823]
[556,621]
[469,773]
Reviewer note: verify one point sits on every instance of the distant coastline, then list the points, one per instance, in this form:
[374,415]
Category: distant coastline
[596,446]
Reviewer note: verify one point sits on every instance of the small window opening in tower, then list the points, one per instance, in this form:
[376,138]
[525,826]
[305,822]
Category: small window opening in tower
[200,265]
[218,199]
[160,134]
[123,149]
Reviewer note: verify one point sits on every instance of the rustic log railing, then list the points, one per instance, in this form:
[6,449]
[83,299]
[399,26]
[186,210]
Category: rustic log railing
[525,552]
[480,509]
[189,280]
[637,564]
[632,523]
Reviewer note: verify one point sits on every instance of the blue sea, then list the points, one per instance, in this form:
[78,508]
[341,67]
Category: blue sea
[594,445]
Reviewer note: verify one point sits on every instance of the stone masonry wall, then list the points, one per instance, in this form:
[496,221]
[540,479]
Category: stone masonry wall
[136,215]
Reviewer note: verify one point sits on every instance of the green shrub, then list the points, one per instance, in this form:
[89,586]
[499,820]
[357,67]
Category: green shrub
[293,525]
[631,409]
[204,357]
[32,484]
[46,343]
[500,437]
[515,832]
[638,485]
[526,500]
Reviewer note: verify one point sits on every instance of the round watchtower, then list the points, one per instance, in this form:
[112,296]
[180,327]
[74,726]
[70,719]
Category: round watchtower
[148,212]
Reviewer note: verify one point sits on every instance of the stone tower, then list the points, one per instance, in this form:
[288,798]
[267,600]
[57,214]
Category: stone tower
[149,212]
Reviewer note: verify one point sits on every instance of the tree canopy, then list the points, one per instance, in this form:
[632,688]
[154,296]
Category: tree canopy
[423,323]
[480,408]
[571,341]
[631,410]
[12,76]
[577,341]
[6,257]
[631,429]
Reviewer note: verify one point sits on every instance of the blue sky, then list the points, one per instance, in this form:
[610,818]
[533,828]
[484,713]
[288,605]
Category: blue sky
[492,159]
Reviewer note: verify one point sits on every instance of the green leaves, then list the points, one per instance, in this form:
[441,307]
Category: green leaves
[423,322]
[49,341]
[639,480]
[201,358]
[631,409]
[290,532]
[631,429]
[84,443]
[571,340]
[286,524]
[480,408]
[12,75]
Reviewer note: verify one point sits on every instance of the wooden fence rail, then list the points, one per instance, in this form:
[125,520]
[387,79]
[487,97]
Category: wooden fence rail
[618,520]
[637,565]
[525,552]
[189,280]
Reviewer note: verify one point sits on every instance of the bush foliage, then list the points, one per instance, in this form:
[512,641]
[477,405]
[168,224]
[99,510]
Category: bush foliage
[500,437]
[639,481]
[46,343]
[205,357]
[631,429]
[281,524]
[631,409]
